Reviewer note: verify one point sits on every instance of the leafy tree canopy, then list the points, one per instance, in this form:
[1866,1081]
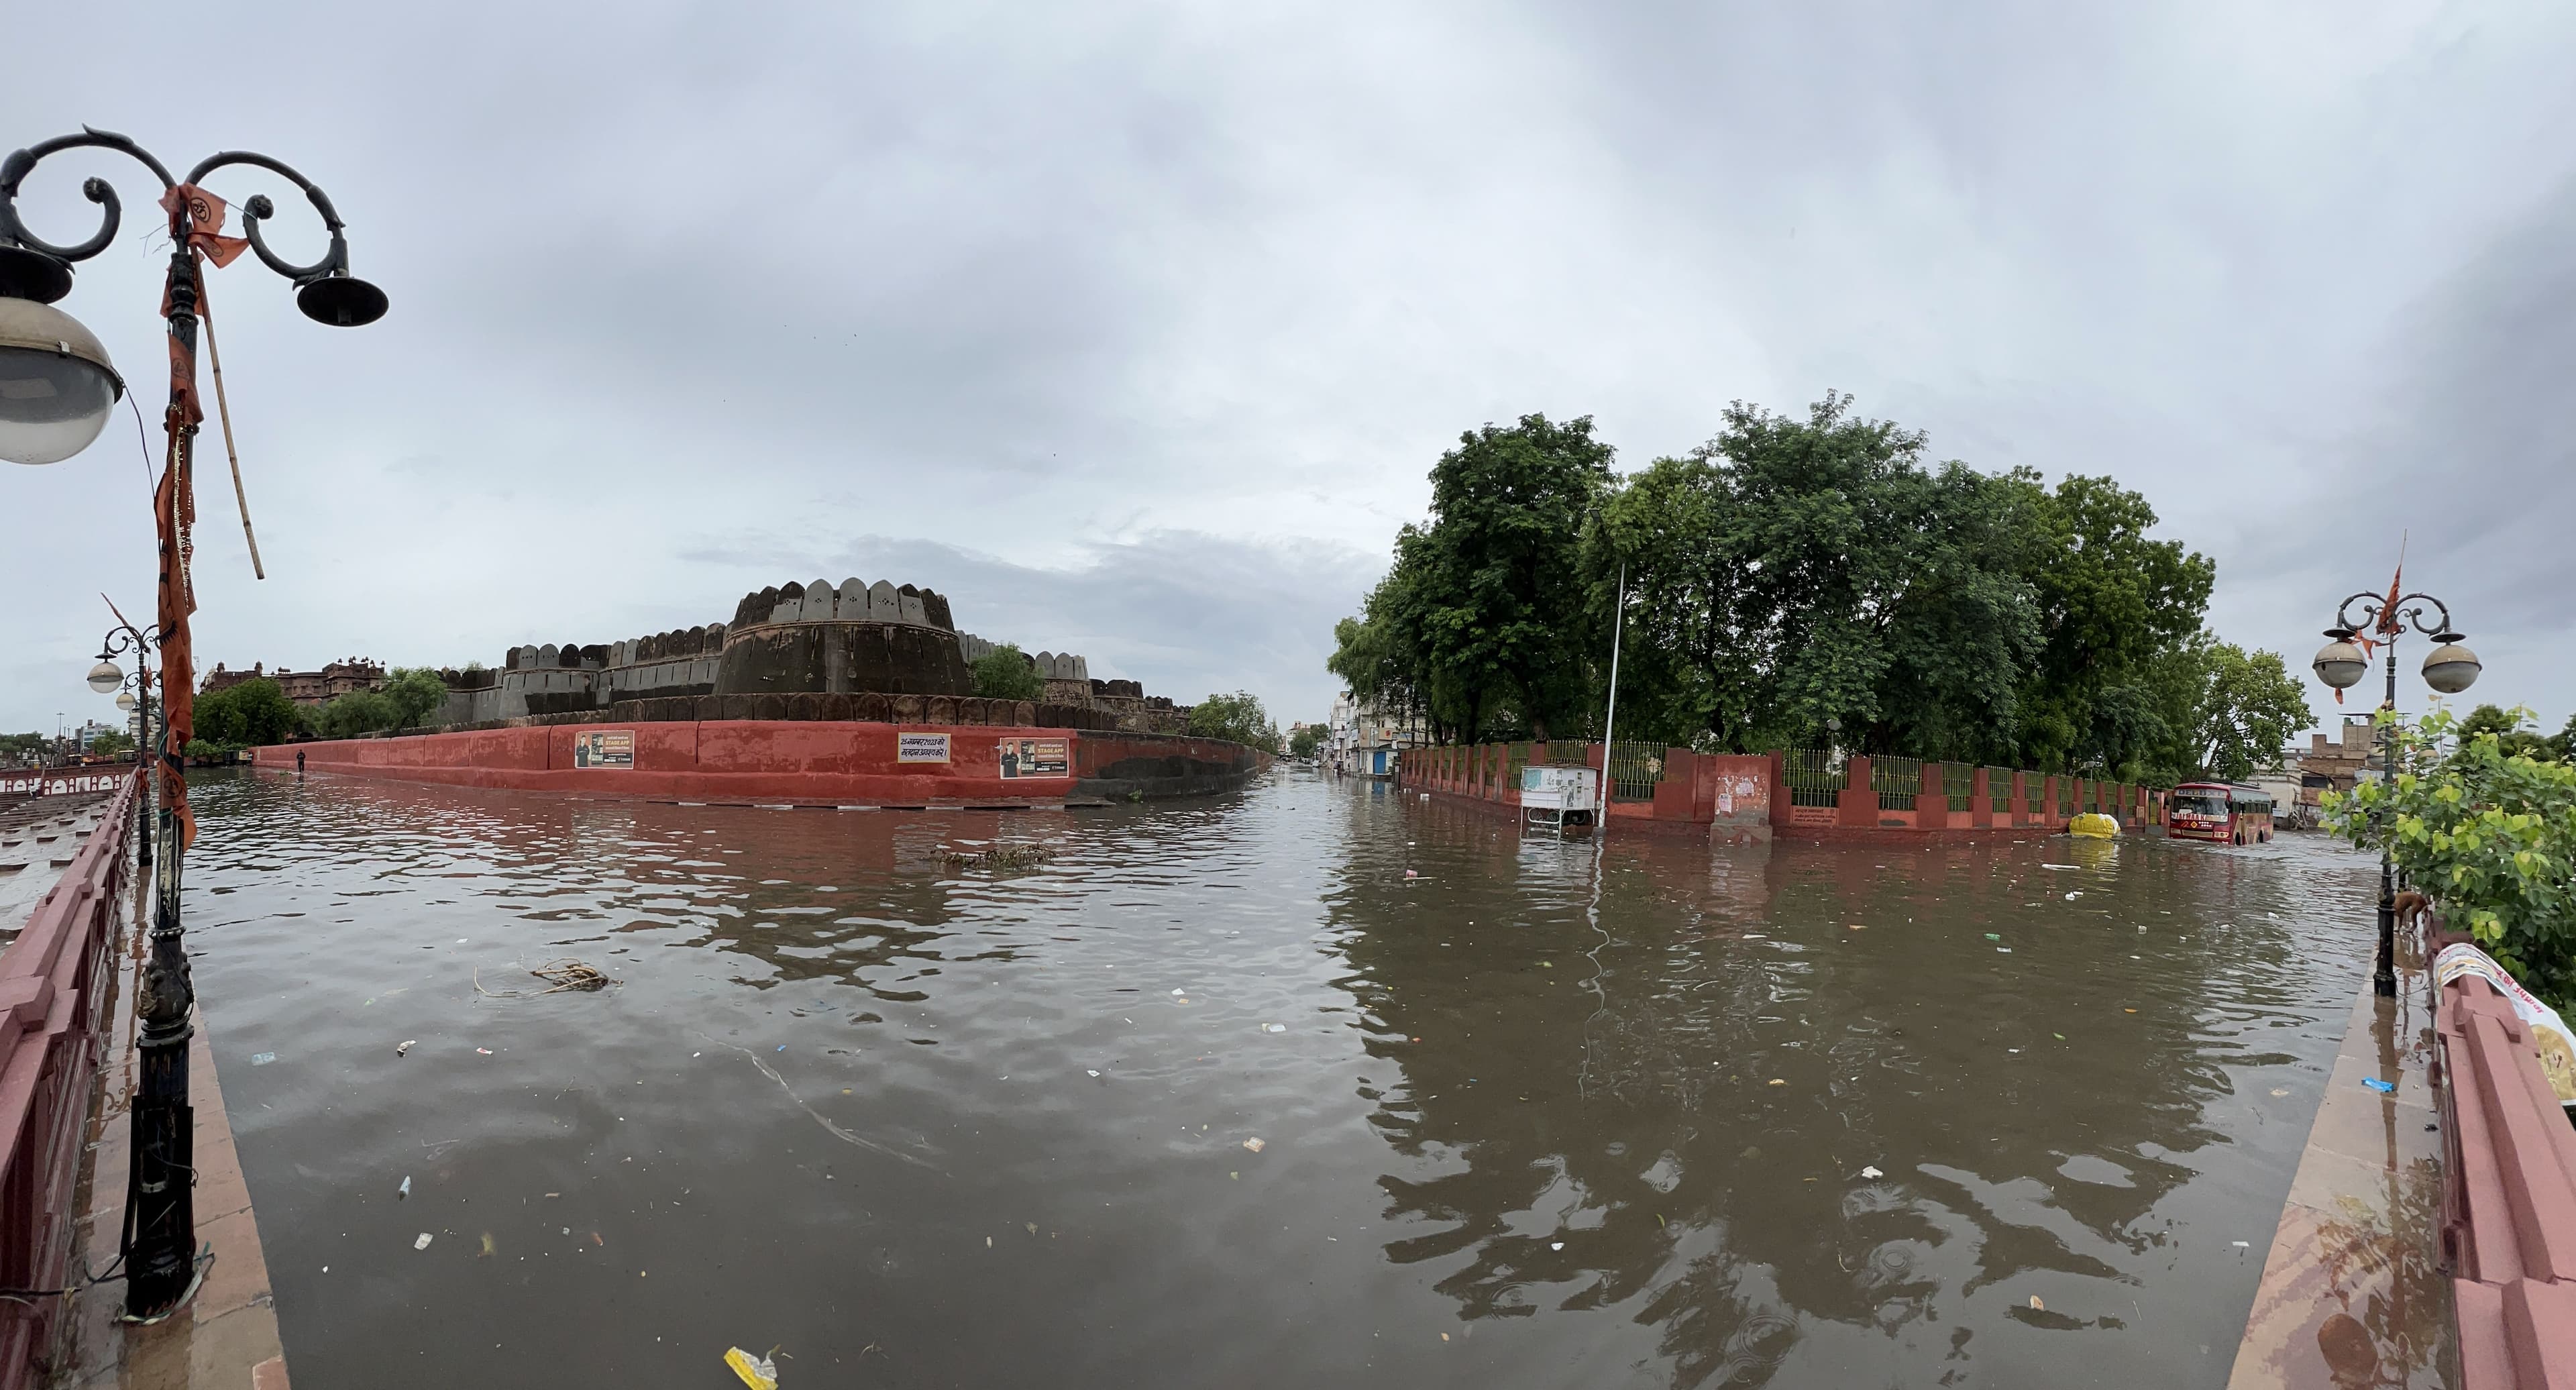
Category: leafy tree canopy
[1804,579]
[246,713]
[1304,742]
[1236,718]
[1007,673]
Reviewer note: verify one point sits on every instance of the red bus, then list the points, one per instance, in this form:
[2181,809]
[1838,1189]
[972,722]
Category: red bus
[2221,812]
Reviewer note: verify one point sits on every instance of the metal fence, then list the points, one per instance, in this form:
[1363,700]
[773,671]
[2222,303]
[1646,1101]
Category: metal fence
[1814,776]
[1958,781]
[1520,757]
[1635,768]
[1897,781]
[1999,789]
[1565,752]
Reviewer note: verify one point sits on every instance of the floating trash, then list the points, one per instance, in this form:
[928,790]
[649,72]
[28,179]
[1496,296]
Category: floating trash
[758,1372]
[1274,1027]
[261,1059]
[1871,1173]
[405,1190]
[421,1242]
[1256,1144]
[2385,1088]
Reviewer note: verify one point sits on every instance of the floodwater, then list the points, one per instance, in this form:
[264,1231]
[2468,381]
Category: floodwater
[1550,1113]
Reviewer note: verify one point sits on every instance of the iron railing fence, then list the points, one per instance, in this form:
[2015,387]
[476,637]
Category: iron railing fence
[1635,768]
[1814,776]
[1958,780]
[1897,781]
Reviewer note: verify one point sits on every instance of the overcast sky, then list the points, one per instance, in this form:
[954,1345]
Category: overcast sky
[1135,328]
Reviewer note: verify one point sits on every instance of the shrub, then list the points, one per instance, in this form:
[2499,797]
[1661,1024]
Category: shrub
[1007,673]
[2490,835]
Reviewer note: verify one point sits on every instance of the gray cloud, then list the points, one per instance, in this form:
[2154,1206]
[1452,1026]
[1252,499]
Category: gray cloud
[1170,307]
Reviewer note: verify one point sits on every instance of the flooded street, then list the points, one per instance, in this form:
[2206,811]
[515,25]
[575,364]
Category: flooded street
[1548,1114]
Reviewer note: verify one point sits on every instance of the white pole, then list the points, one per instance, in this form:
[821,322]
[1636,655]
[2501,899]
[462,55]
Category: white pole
[1610,718]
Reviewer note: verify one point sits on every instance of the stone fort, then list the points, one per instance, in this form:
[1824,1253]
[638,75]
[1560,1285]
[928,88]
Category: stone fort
[876,651]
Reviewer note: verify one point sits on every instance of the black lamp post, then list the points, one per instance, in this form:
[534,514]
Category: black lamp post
[136,699]
[56,390]
[2449,668]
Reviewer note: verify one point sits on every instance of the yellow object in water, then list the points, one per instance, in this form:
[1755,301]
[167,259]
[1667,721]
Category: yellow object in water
[758,1372]
[2093,825]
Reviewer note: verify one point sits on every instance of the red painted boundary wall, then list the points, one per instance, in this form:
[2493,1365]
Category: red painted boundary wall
[784,762]
[1739,792]
[2508,1196]
[52,1006]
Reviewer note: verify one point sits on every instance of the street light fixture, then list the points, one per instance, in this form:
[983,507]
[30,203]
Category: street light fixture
[56,388]
[2450,668]
[56,384]
[104,677]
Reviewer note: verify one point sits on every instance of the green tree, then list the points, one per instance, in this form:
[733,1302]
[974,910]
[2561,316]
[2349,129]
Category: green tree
[111,743]
[1007,673]
[2491,835]
[20,745]
[2516,733]
[2113,605]
[1303,743]
[1236,718]
[246,714]
[2244,706]
[1480,617]
[1793,571]
[413,693]
[358,712]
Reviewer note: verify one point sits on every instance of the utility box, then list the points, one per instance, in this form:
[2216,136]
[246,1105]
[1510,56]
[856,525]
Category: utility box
[1559,796]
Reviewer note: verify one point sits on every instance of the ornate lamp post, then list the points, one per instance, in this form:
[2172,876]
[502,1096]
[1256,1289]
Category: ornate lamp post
[2449,669]
[56,390]
[133,693]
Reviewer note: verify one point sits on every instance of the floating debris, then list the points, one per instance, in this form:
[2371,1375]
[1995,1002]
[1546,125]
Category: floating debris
[560,975]
[998,857]
[1256,1144]
[421,1242]
[758,1372]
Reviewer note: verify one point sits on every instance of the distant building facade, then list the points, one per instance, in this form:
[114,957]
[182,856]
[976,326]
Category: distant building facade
[2307,774]
[1367,738]
[305,687]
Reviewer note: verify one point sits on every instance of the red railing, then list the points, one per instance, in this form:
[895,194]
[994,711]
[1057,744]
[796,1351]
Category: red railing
[52,1012]
[2508,1196]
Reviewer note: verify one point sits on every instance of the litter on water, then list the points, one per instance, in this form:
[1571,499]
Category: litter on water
[559,975]
[1256,1144]
[261,1059]
[1274,1027]
[421,1242]
[1871,1173]
[404,1190]
[758,1372]
[403,1049]
[2385,1088]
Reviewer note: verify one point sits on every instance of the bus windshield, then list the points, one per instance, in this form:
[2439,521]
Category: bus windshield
[2195,801]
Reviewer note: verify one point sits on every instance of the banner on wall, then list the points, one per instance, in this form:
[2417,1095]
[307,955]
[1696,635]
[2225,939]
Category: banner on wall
[604,748]
[1036,757]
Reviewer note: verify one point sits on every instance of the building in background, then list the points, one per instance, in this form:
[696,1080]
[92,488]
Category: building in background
[321,687]
[1368,738]
[2307,774]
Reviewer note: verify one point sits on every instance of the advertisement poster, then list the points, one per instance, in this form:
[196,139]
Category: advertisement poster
[921,748]
[1036,757]
[604,748]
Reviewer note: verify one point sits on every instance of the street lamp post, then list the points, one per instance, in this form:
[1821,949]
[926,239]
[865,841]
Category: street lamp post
[134,697]
[2449,669]
[57,387]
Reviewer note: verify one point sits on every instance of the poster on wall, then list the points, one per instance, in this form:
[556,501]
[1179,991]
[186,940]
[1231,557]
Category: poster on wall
[921,748]
[604,748]
[1036,757]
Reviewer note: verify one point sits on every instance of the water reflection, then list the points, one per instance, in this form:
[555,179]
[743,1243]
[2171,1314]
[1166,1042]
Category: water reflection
[1542,1112]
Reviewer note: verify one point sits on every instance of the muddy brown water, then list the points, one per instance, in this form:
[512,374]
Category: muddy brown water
[1547,1114]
